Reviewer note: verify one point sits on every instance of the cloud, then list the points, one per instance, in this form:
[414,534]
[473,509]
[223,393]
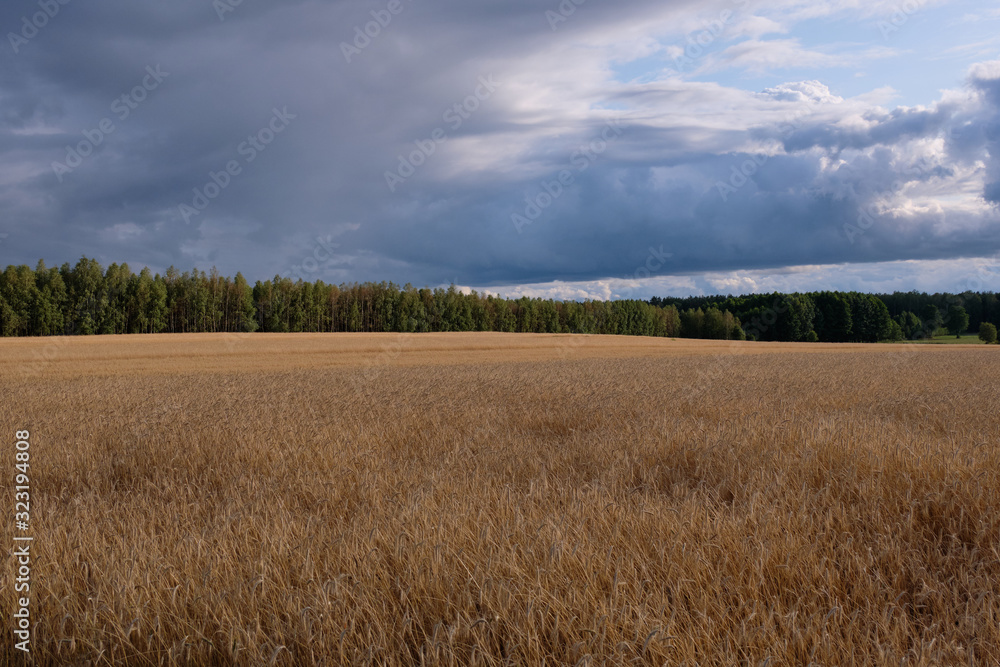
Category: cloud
[676,176]
[761,56]
[985,80]
[813,92]
[755,27]
[974,274]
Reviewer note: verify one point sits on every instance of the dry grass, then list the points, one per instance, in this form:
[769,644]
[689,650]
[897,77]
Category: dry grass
[489,499]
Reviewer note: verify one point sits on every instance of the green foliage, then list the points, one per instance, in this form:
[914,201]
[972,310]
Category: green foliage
[895,331]
[909,325]
[839,316]
[958,320]
[795,319]
[833,317]
[870,322]
[980,307]
[721,325]
[930,314]
[354,318]
[987,333]
[87,299]
[8,319]
[692,323]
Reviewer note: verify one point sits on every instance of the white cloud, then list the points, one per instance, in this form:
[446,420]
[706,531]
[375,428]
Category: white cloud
[985,71]
[763,56]
[756,27]
[803,91]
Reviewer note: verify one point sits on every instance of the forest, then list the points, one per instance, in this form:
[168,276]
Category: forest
[840,317]
[87,299]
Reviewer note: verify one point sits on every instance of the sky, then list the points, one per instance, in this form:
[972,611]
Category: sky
[570,149]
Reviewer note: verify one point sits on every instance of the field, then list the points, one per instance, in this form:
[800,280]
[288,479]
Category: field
[504,499]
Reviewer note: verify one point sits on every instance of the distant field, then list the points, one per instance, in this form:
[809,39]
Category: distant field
[967,339]
[505,499]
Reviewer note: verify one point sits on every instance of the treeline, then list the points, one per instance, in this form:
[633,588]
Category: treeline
[87,299]
[848,316]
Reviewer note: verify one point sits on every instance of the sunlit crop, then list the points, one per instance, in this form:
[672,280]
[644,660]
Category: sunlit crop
[506,499]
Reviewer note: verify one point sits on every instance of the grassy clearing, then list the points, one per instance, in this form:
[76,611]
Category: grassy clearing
[506,499]
[966,339]
[948,339]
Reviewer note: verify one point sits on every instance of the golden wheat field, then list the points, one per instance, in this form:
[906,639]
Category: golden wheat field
[488,499]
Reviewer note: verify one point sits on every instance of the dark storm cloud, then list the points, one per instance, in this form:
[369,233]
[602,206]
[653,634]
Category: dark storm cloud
[886,129]
[355,111]
[986,80]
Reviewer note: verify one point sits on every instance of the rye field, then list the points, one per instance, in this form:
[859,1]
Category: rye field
[504,499]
